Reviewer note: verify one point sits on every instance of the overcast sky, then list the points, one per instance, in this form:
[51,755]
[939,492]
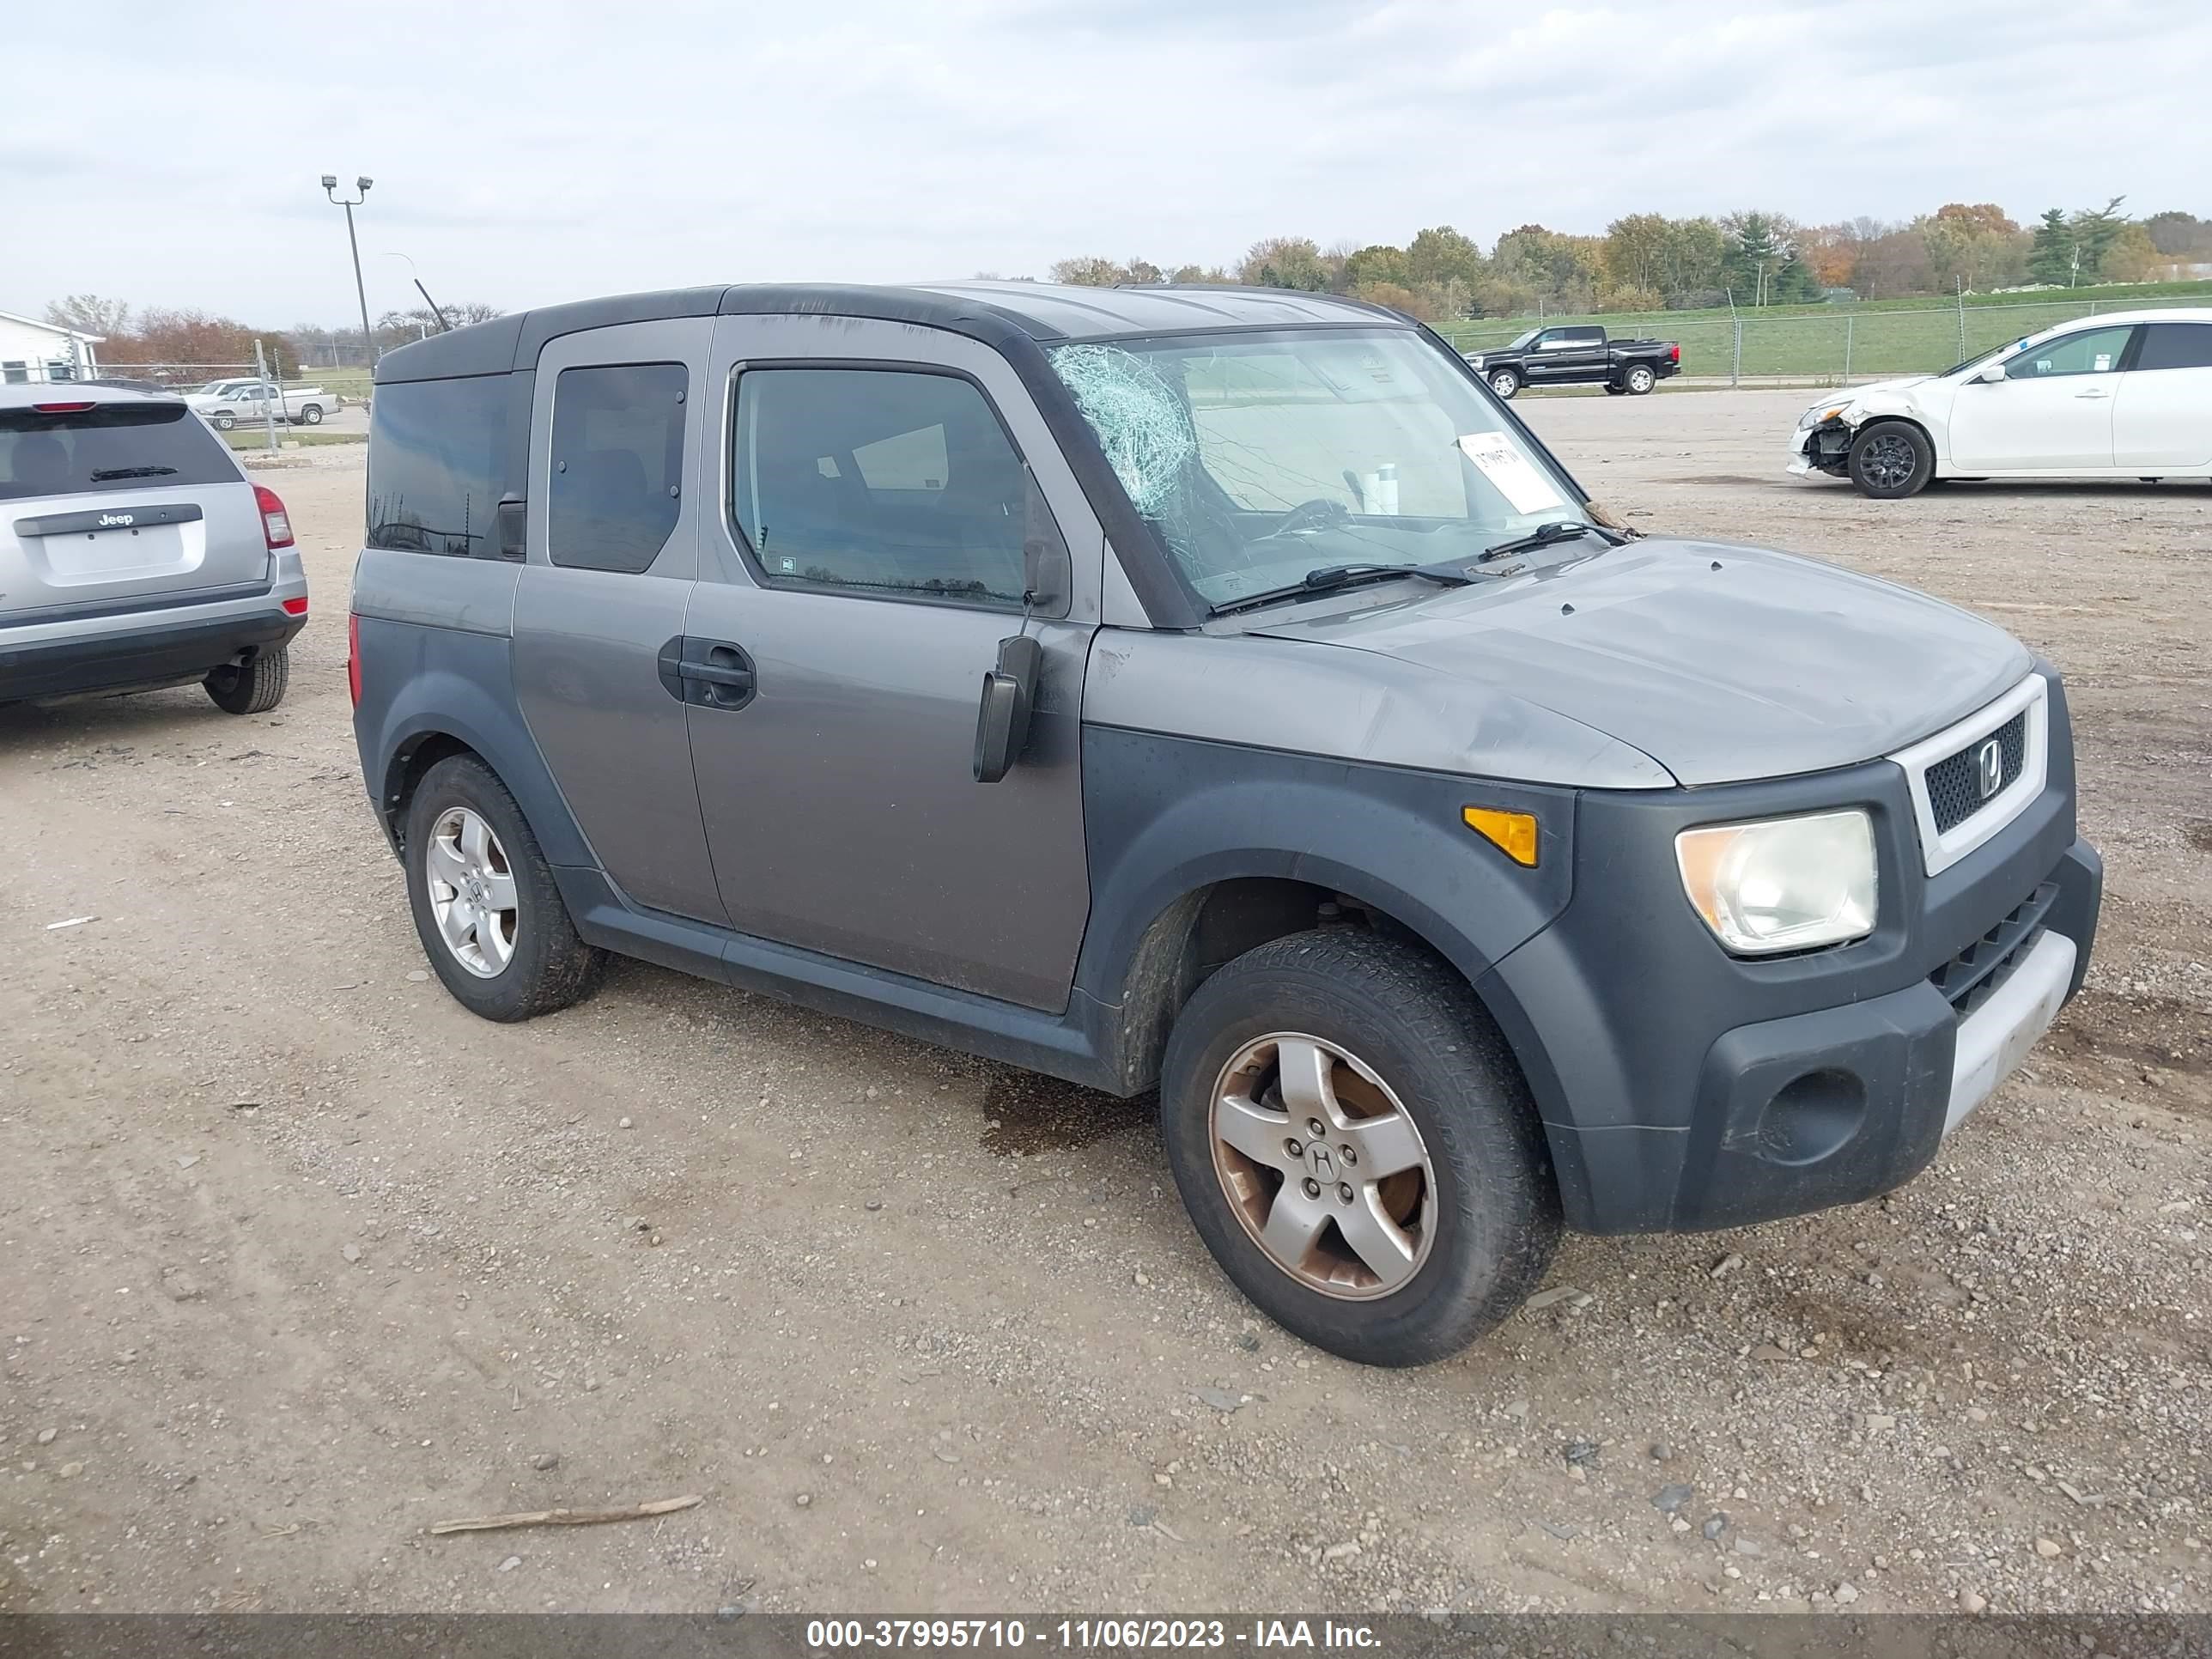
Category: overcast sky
[168,153]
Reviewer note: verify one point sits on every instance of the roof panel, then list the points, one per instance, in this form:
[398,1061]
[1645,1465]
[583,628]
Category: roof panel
[1043,311]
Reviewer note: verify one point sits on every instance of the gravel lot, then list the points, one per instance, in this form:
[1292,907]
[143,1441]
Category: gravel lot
[299,1258]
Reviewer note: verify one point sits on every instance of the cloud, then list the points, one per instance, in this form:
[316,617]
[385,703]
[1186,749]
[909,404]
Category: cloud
[529,153]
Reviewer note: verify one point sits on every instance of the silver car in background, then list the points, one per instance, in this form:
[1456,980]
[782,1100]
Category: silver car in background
[136,554]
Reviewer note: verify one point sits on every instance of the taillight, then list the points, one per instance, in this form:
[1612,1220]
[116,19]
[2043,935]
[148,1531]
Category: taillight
[276,522]
[1674,353]
[353,656]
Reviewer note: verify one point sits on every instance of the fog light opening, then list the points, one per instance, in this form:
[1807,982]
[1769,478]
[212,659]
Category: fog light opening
[1811,1116]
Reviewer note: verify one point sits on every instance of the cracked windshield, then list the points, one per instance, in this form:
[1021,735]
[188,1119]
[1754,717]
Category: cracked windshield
[1263,459]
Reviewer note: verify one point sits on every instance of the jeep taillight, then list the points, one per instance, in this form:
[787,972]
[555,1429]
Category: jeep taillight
[353,656]
[276,522]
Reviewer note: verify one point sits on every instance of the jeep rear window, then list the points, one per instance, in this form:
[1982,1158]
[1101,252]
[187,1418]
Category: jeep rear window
[106,447]
[436,457]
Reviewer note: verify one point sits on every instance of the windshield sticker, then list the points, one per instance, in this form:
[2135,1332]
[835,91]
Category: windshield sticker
[1140,423]
[1525,488]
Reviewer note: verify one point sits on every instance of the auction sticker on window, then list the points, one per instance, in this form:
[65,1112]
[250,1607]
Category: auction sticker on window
[1525,488]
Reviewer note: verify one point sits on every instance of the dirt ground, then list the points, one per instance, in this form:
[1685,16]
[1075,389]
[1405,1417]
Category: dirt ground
[299,1258]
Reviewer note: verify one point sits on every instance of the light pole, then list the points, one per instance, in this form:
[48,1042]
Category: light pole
[350,202]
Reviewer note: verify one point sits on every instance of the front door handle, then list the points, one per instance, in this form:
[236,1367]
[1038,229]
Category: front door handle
[707,673]
[2092,394]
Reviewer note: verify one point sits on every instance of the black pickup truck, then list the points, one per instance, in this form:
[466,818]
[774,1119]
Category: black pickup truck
[1577,354]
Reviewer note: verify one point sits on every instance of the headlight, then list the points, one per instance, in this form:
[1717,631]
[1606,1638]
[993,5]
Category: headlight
[1784,884]
[1820,412]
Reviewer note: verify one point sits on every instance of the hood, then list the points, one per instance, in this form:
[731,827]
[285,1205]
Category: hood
[1850,394]
[1722,663]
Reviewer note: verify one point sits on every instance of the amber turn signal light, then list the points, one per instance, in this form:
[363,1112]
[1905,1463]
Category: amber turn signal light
[1513,834]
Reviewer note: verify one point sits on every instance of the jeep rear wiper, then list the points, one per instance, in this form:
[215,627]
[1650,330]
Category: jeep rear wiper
[1329,578]
[108,473]
[1546,535]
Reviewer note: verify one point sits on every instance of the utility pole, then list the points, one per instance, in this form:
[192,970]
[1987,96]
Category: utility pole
[361,293]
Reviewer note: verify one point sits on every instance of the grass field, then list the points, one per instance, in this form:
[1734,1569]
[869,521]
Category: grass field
[1881,337]
[257,437]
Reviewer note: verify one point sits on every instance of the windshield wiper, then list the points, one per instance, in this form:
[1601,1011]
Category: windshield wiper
[1546,535]
[108,473]
[1330,579]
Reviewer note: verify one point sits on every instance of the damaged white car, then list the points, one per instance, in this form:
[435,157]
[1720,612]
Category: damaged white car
[2126,395]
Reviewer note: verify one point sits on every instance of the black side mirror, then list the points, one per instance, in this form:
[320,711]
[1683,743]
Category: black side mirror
[1002,723]
[514,527]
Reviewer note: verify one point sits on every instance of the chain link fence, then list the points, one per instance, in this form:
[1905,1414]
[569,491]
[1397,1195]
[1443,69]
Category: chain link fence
[1836,347]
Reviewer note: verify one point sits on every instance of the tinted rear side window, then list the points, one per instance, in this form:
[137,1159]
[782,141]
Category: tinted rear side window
[106,447]
[2176,345]
[618,465]
[436,455]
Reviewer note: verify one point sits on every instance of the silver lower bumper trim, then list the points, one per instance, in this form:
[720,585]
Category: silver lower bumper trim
[1996,1037]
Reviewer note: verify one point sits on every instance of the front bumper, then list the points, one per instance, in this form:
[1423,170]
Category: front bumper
[1681,1088]
[1823,448]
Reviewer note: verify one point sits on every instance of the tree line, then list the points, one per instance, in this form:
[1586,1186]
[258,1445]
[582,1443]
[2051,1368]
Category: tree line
[1648,262]
[175,337]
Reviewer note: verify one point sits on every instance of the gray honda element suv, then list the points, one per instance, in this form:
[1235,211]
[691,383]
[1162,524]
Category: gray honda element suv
[1216,691]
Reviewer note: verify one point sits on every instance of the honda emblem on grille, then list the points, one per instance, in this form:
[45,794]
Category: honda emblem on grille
[1988,762]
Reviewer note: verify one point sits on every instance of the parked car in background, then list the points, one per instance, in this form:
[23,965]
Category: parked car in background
[134,554]
[226,404]
[1055,674]
[2124,395]
[1578,354]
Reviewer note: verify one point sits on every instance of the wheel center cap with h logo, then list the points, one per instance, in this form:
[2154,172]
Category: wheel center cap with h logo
[1321,1163]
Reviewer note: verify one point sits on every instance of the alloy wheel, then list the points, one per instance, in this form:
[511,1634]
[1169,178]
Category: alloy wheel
[1323,1166]
[1889,460]
[472,889]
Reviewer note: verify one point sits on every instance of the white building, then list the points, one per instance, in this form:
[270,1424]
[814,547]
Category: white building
[31,350]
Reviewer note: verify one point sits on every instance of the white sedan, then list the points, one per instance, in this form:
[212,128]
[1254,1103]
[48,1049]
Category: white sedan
[2126,395]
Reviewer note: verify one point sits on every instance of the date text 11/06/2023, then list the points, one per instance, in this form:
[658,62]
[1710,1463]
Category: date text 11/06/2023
[1082,1635]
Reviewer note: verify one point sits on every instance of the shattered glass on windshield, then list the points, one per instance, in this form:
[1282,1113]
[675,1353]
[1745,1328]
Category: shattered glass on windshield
[1140,420]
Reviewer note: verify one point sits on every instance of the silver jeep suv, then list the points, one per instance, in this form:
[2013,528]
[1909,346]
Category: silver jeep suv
[135,554]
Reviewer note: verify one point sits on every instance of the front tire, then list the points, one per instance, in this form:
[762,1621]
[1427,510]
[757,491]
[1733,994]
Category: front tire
[1504,382]
[254,687]
[223,423]
[1890,460]
[1425,1210]
[486,906]
[1639,380]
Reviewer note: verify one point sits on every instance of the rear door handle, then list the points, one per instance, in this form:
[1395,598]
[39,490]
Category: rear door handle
[707,673]
[2092,394]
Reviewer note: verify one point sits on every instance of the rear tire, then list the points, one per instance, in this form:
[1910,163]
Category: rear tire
[1504,382]
[311,414]
[1639,380]
[253,688]
[1475,1223]
[546,966]
[1890,460]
